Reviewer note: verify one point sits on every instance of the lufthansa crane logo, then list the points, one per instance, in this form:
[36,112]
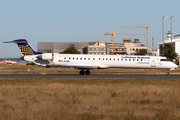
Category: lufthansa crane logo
[26,51]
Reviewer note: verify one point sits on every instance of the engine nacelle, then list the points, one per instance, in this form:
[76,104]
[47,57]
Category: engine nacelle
[46,56]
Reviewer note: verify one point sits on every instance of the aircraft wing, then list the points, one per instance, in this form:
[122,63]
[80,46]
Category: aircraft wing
[81,66]
[85,66]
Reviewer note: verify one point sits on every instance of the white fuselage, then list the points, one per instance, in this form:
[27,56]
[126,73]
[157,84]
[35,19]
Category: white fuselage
[80,61]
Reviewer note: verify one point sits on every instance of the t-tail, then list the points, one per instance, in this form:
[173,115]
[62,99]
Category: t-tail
[25,47]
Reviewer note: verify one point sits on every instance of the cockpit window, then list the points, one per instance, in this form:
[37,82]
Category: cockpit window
[164,60]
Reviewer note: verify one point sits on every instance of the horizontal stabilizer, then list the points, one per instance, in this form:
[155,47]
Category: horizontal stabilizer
[17,41]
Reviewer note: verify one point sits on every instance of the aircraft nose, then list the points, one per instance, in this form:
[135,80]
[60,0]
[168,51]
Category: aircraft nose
[176,66]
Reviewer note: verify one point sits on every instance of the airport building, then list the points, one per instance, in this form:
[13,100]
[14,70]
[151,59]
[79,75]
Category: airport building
[99,48]
[57,47]
[175,43]
[118,48]
[94,48]
[132,47]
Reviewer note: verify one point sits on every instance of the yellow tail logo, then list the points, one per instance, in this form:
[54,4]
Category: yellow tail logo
[26,51]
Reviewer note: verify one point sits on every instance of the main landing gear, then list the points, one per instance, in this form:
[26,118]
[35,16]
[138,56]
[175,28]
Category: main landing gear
[167,72]
[87,72]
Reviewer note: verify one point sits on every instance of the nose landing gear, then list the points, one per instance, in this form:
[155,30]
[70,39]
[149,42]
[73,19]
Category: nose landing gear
[167,72]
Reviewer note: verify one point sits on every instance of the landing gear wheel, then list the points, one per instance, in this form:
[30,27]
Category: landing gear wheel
[167,72]
[81,72]
[87,72]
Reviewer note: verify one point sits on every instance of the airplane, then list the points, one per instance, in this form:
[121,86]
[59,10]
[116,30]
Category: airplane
[8,62]
[86,62]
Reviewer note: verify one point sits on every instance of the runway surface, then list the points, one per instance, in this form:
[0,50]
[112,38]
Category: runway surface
[72,76]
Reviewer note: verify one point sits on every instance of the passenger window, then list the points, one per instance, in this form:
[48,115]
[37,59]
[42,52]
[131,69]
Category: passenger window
[103,58]
[88,58]
[77,58]
[80,58]
[137,59]
[73,58]
[114,59]
[106,59]
[129,59]
[93,58]
[133,59]
[118,59]
[110,59]
[99,58]
[121,59]
[141,59]
[84,58]
[64,57]
[125,59]
[69,58]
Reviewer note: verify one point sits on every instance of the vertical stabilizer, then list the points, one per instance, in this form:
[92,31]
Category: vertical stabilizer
[25,47]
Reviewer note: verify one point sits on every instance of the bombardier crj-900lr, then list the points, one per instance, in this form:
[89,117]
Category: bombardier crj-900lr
[87,62]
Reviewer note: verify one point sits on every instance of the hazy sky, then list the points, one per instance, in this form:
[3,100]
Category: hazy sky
[82,21]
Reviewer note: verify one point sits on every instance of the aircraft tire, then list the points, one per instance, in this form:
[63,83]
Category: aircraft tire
[87,72]
[81,72]
[167,73]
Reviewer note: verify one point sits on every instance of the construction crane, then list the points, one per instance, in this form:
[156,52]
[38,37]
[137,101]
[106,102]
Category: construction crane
[112,37]
[147,28]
